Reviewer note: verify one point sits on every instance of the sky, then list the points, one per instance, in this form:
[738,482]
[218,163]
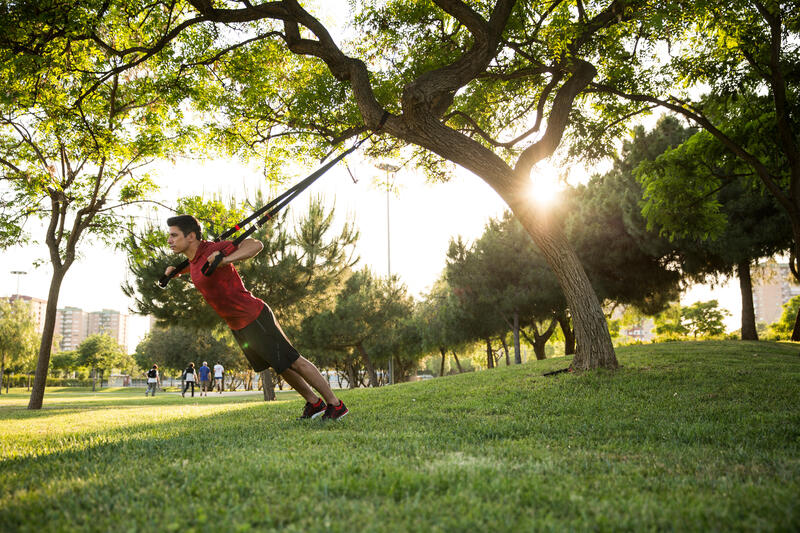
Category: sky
[423,217]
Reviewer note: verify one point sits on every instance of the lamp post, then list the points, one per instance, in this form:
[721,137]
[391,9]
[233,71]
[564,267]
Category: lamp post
[389,169]
[18,273]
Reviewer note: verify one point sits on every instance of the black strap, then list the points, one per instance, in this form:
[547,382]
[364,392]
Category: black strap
[271,209]
[383,120]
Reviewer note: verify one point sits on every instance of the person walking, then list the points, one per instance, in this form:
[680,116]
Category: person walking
[152,380]
[205,379]
[189,378]
[252,322]
[219,375]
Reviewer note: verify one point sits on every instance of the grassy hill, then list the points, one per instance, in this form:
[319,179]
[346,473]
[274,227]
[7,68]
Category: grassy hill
[685,436]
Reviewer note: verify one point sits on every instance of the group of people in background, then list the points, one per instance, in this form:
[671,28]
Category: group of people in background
[203,377]
[190,376]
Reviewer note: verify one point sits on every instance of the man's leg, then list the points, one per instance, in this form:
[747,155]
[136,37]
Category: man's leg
[299,384]
[306,370]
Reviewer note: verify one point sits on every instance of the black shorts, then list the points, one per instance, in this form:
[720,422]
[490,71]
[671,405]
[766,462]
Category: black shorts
[264,343]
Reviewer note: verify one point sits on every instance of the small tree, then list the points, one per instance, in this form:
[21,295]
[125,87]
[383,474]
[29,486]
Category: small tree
[783,328]
[704,319]
[367,310]
[669,326]
[17,335]
[100,352]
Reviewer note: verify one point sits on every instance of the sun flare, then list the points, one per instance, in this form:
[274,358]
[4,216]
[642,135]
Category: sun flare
[546,186]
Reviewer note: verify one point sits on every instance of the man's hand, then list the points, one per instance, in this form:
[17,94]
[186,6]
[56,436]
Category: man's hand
[169,270]
[214,254]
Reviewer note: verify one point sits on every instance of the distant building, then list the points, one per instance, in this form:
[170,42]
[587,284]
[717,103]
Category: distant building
[644,331]
[112,323]
[38,309]
[773,286]
[71,324]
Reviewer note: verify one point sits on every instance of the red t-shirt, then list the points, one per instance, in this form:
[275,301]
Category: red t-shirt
[224,290]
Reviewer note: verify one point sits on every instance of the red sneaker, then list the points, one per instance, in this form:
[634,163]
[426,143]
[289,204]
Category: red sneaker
[313,410]
[335,412]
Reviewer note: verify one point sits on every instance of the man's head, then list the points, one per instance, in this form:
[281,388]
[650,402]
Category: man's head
[205,364]
[184,231]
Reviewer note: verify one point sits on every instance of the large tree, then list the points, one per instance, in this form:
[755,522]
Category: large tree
[643,229]
[732,69]
[72,157]
[489,87]
[720,218]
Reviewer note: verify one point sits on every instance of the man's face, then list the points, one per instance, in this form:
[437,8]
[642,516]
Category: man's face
[177,241]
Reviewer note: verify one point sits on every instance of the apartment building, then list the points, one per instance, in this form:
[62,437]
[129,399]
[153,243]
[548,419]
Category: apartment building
[71,325]
[112,323]
[38,309]
[773,286]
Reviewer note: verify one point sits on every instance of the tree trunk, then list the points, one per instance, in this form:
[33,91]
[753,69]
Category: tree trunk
[796,330]
[594,347]
[794,266]
[2,374]
[94,380]
[267,385]
[517,353]
[444,358]
[505,349]
[352,374]
[373,376]
[749,332]
[43,361]
[569,337]
[460,370]
[489,355]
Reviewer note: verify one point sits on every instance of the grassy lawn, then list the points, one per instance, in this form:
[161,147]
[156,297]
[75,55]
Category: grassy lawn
[686,436]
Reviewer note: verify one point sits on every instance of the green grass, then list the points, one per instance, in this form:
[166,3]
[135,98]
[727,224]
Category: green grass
[685,436]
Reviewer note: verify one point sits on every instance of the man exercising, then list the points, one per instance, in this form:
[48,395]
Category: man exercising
[252,322]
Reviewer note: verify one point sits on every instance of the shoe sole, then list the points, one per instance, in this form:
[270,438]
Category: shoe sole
[340,416]
[317,415]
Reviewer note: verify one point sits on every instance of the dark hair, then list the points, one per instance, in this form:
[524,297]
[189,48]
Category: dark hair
[187,224]
[191,365]
[155,366]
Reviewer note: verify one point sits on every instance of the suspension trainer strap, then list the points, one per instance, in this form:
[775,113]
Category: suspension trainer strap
[271,209]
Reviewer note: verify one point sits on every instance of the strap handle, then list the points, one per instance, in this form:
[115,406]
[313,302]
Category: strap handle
[208,268]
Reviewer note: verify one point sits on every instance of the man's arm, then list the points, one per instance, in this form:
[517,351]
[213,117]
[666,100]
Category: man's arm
[247,248]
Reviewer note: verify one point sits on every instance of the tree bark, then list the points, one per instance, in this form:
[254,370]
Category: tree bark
[749,332]
[569,337]
[43,361]
[460,370]
[517,353]
[352,374]
[373,376]
[796,330]
[505,349]
[540,341]
[444,357]
[489,355]
[2,374]
[267,385]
